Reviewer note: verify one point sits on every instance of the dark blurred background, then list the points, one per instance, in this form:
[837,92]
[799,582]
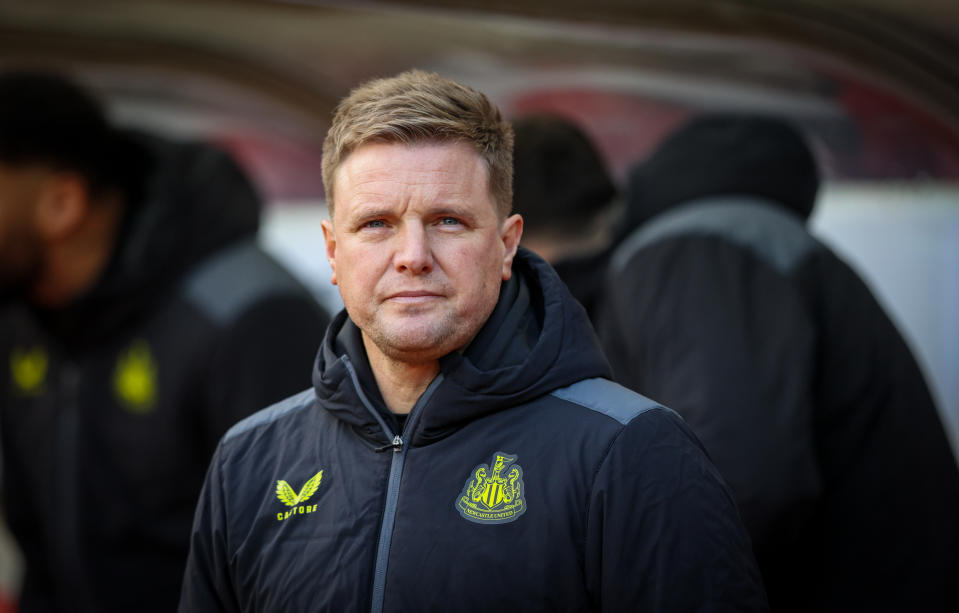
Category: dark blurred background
[874,84]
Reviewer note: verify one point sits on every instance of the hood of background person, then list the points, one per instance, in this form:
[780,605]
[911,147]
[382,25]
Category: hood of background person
[721,155]
[560,182]
[184,201]
[537,340]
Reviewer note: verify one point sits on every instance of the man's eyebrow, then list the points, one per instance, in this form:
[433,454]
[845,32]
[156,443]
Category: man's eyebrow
[369,212]
[451,210]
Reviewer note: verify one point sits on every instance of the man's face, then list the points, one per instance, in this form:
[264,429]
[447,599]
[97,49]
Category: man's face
[20,244]
[416,246]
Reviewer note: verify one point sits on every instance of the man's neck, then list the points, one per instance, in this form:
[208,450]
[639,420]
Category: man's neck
[400,383]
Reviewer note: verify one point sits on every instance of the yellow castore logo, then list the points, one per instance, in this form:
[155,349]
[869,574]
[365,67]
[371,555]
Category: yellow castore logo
[135,378]
[290,498]
[28,368]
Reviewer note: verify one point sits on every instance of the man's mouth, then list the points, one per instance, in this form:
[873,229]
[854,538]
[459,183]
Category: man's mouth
[413,296]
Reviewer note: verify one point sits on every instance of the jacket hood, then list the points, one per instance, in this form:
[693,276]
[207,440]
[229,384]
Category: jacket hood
[560,181]
[183,202]
[723,155]
[193,201]
[537,339]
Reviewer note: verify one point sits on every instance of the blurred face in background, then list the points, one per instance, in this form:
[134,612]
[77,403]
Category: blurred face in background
[20,243]
[417,247]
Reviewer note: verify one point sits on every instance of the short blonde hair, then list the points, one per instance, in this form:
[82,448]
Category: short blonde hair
[417,106]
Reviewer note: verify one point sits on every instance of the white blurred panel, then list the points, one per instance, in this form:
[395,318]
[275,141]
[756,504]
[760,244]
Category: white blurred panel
[903,239]
[291,232]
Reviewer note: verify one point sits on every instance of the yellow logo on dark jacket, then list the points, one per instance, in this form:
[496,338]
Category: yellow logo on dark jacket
[28,369]
[494,495]
[135,378]
[290,498]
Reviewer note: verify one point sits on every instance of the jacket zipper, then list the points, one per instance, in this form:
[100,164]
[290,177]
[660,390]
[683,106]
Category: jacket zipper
[399,447]
[67,535]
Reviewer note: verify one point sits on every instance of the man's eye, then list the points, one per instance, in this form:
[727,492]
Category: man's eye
[449,221]
[376,223]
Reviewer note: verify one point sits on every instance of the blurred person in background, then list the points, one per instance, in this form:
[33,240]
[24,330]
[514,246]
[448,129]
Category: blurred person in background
[462,448]
[721,304]
[565,194]
[139,321]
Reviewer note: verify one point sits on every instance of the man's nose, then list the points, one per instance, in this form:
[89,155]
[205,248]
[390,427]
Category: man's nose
[413,253]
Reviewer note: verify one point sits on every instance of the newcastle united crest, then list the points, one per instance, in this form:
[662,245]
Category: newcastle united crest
[493,495]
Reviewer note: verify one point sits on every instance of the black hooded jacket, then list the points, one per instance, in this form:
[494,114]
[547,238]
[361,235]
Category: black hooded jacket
[521,480]
[111,407]
[722,305]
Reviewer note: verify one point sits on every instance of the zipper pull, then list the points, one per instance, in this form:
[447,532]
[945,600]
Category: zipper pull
[396,445]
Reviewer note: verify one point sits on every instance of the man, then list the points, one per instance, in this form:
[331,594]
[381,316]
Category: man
[721,304]
[140,322]
[460,449]
[563,191]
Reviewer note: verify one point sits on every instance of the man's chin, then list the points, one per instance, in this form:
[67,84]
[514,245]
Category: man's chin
[416,351]
[411,347]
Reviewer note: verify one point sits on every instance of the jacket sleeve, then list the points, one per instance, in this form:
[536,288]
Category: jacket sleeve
[207,582]
[663,532]
[729,343]
[262,357]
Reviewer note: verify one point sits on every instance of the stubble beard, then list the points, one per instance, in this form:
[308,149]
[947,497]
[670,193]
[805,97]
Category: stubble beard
[421,341]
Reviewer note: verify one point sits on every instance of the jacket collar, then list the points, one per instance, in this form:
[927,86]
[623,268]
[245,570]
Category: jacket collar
[537,339]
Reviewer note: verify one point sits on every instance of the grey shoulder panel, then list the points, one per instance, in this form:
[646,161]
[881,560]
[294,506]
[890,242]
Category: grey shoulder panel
[608,398]
[775,235]
[272,413]
[237,277]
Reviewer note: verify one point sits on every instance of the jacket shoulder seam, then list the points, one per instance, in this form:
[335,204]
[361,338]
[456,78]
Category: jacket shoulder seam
[607,398]
[236,278]
[271,413]
[772,234]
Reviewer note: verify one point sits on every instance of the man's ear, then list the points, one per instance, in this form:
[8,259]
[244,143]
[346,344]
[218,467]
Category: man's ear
[330,237]
[63,202]
[511,233]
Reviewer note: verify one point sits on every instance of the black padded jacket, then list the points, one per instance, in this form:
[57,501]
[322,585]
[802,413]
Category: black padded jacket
[804,394]
[522,480]
[111,407]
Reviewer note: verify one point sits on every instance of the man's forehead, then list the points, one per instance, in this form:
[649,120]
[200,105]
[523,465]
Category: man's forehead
[381,153]
[439,172]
